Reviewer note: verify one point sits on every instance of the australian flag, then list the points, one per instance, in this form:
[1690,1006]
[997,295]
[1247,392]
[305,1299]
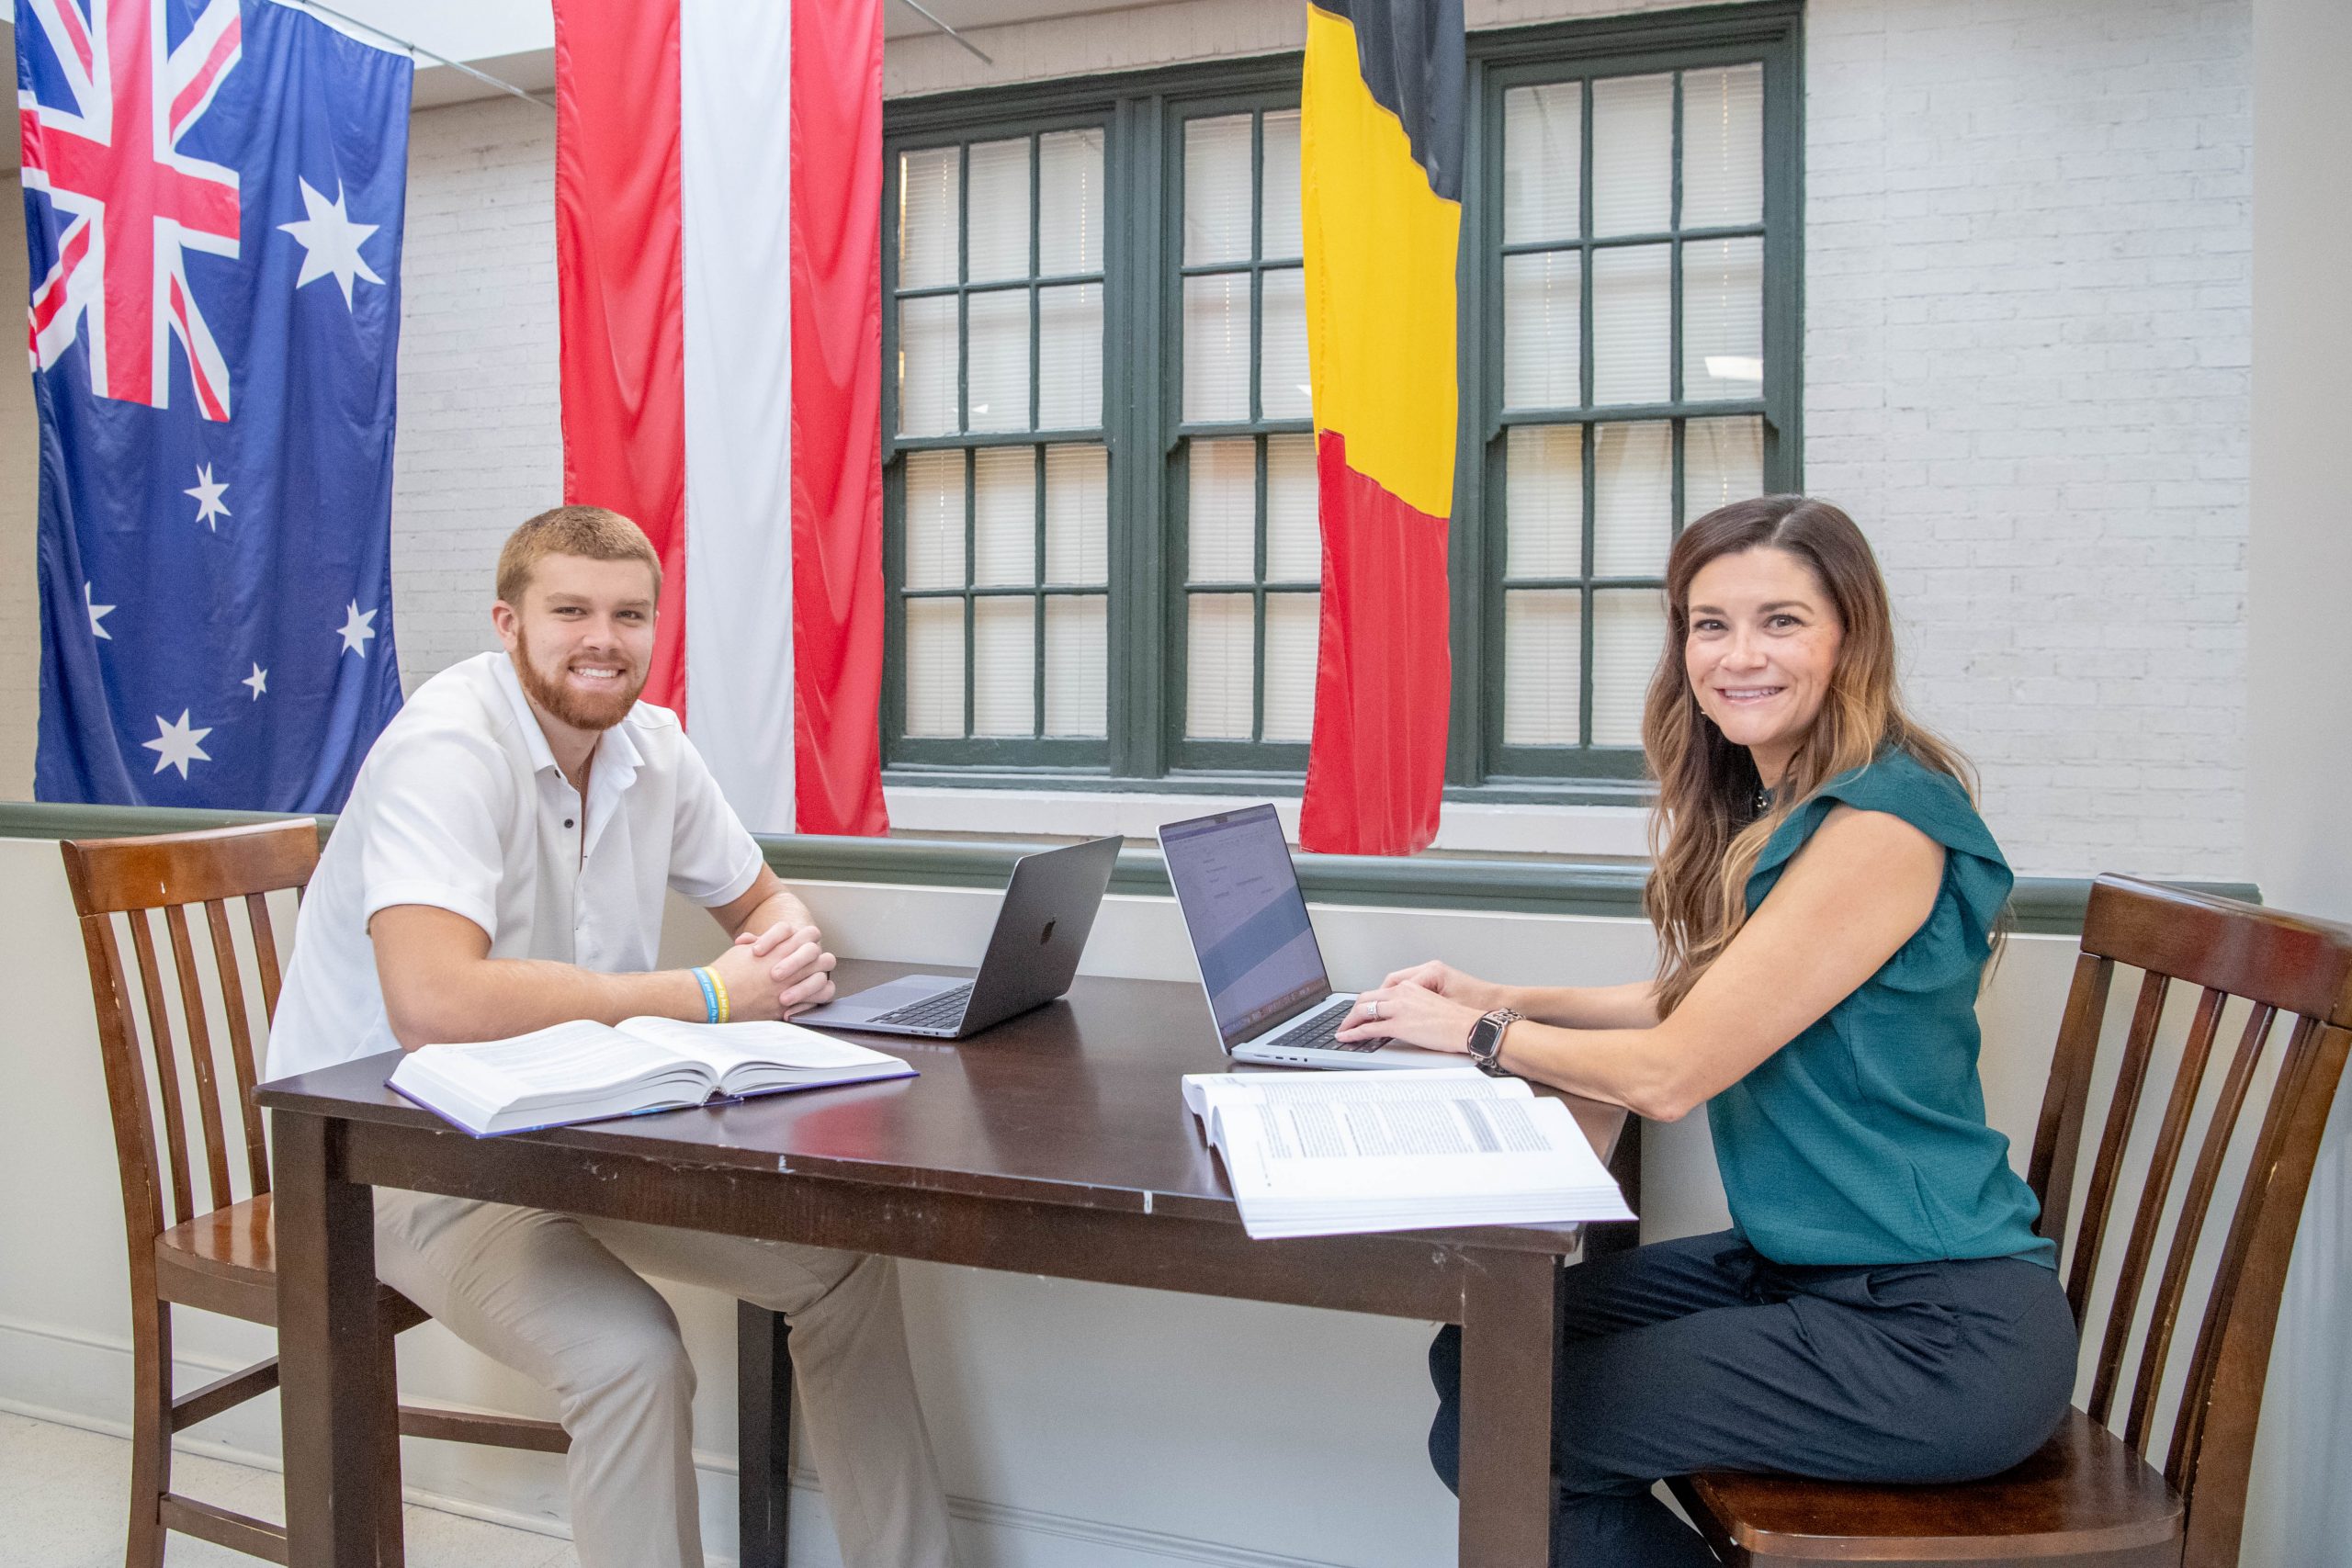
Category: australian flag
[213,198]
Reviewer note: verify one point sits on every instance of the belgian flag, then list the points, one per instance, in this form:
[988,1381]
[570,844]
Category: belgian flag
[1381,177]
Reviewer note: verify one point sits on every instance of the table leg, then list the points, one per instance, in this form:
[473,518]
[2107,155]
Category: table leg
[1508,1350]
[329,1382]
[763,1435]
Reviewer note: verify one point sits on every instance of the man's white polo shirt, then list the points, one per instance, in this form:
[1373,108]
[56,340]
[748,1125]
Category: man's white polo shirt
[461,805]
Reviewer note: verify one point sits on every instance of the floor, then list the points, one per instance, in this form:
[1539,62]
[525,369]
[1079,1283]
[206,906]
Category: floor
[62,1490]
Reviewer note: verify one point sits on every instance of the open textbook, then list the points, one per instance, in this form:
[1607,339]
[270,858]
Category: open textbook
[584,1071]
[1327,1154]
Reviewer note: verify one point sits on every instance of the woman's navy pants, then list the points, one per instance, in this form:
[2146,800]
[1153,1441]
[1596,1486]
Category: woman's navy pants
[1700,1354]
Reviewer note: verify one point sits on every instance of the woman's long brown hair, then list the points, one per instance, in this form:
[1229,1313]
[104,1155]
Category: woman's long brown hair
[1702,842]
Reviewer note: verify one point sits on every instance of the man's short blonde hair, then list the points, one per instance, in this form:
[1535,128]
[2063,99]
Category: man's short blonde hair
[594,532]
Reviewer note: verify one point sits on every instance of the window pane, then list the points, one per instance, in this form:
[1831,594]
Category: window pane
[1078,489]
[935,520]
[995,371]
[1004,666]
[1631,324]
[1294,539]
[1283,386]
[1628,631]
[1543,664]
[927,365]
[1723,320]
[1218,667]
[1293,623]
[929,183]
[1633,155]
[1543,325]
[999,211]
[935,667]
[1069,356]
[1722,461]
[1632,498]
[1543,500]
[1722,146]
[1216,189]
[1077,665]
[1217,347]
[1279,223]
[1543,161]
[1221,513]
[1004,515]
[1069,202]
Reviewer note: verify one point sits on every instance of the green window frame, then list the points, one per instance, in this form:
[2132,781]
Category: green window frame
[1149,443]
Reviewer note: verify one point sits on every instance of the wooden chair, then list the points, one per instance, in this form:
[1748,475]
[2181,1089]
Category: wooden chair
[216,1253]
[2090,1495]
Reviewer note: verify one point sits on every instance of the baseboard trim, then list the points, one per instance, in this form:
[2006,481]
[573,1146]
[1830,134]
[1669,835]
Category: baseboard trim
[1113,1544]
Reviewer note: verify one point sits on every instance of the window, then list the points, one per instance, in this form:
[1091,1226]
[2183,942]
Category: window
[1101,537]
[1000,498]
[1625,234]
[1247,553]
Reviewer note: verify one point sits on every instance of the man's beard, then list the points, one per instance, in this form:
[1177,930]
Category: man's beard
[581,710]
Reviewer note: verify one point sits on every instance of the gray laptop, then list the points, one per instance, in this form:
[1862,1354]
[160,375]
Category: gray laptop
[1031,957]
[1259,960]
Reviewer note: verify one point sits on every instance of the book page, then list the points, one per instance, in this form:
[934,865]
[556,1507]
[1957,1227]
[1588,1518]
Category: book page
[564,1060]
[723,1047]
[1203,1090]
[1410,1136]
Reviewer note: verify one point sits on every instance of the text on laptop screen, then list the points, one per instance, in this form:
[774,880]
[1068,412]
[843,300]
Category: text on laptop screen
[1247,916]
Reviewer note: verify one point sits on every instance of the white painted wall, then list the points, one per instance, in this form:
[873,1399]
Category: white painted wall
[1078,1425]
[2298,737]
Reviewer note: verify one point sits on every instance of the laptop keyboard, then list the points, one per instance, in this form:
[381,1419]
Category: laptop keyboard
[940,1011]
[1319,1032]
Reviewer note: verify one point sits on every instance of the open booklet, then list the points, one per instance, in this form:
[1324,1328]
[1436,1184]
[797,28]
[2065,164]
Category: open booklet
[585,1071]
[1327,1154]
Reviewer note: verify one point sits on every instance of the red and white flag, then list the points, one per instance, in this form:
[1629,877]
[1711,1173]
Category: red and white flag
[718,188]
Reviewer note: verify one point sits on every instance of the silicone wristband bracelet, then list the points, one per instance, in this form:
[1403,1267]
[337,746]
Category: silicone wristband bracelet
[720,986]
[709,984]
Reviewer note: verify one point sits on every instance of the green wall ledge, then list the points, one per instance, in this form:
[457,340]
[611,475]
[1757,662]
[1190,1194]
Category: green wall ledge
[1519,883]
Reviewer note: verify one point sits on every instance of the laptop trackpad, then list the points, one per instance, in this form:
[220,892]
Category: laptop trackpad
[845,1012]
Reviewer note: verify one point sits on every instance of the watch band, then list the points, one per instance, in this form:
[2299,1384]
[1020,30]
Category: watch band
[1486,1041]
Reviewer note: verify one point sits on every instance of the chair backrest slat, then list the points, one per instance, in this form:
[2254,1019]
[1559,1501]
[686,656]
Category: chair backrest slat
[2212,1453]
[2131,1079]
[240,1042]
[133,878]
[2058,1138]
[2278,965]
[2153,1192]
[163,1058]
[264,952]
[2202,1179]
[199,1040]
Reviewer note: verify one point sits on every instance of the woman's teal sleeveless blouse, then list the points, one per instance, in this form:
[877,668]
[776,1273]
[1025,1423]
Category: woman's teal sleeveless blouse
[1862,1141]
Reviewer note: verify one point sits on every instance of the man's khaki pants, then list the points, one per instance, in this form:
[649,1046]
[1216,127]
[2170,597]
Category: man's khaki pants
[558,1297]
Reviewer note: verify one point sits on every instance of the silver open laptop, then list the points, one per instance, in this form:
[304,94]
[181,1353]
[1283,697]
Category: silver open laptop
[1032,956]
[1257,952]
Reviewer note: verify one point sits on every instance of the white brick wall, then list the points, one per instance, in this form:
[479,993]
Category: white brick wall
[2028,307]
[2027,339]
[480,444]
[20,529]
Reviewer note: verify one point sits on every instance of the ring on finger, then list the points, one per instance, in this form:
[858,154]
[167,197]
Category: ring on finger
[1374,1008]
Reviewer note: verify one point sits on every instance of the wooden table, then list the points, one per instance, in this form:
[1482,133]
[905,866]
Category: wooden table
[1055,1143]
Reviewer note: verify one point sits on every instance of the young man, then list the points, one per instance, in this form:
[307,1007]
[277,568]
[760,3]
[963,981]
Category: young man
[502,866]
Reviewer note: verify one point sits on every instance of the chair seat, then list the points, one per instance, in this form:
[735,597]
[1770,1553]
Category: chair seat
[2084,1494]
[226,1261]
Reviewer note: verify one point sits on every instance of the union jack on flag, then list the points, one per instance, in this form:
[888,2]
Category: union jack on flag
[217,433]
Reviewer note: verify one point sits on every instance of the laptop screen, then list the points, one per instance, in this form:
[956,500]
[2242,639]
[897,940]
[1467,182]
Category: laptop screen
[1248,919]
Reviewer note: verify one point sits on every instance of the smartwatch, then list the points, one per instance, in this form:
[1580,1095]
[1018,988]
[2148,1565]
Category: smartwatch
[1486,1041]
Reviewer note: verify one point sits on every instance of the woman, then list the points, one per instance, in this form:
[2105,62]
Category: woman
[1826,899]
